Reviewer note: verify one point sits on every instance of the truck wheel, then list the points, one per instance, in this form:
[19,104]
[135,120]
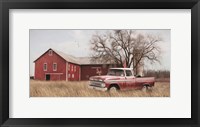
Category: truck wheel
[113,89]
[145,88]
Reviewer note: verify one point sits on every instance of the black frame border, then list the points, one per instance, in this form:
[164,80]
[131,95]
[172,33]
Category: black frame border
[5,5]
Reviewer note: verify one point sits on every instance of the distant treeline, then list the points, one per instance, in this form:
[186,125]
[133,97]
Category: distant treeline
[158,74]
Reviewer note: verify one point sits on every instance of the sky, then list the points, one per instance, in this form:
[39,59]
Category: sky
[77,43]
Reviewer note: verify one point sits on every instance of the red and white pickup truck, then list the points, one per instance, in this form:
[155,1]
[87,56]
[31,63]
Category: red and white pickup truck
[120,79]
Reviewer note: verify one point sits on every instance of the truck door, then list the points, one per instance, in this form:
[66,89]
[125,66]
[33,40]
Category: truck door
[130,79]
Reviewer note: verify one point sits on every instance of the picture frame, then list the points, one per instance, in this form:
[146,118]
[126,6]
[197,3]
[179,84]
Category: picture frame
[5,5]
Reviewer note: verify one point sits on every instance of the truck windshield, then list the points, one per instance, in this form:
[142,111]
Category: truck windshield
[115,72]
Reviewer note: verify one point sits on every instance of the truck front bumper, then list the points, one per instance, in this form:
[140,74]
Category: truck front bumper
[98,88]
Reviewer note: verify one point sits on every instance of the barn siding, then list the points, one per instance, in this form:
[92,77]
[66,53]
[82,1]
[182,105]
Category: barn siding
[74,70]
[91,70]
[66,71]
[61,67]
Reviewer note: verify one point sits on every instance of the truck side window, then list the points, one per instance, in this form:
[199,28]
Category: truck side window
[128,73]
[119,73]
[116,72]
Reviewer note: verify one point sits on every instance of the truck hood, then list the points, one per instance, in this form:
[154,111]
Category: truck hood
[104,77]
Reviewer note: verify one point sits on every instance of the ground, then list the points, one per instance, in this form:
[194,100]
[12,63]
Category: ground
[80,89]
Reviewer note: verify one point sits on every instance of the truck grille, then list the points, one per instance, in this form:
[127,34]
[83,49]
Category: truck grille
[95,83]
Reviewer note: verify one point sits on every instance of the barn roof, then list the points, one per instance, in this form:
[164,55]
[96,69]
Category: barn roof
[72,59]
[67,57]
[77,60]
[87,61]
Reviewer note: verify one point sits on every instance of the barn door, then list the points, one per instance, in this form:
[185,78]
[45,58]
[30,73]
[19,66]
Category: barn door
[47,77]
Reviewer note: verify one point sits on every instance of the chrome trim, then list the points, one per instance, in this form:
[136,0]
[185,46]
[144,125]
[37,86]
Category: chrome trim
[96,83]
[119,80]
[98,88]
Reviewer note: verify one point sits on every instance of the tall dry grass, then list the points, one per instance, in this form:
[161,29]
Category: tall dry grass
[80,89]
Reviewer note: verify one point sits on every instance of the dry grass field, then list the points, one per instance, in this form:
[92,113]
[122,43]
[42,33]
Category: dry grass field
[80,89]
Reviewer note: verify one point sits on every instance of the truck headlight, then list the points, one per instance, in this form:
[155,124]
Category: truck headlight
[103,84]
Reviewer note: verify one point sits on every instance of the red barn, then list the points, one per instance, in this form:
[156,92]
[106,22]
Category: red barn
[56,65]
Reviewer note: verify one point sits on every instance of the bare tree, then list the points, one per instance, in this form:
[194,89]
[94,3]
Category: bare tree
[128,46]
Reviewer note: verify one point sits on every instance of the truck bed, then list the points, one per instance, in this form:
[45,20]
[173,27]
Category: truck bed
[145,80]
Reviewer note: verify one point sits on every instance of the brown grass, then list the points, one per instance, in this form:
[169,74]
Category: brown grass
[80,89]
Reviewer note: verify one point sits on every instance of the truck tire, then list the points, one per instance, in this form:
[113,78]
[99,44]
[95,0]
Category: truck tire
[146,88]
[113,89]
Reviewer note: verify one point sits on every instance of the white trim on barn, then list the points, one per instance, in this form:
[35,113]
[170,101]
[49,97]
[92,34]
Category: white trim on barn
[55,69]
[55,73]
[50,52]
[44,66]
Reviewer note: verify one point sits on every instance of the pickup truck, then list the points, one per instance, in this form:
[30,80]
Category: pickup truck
[120,79]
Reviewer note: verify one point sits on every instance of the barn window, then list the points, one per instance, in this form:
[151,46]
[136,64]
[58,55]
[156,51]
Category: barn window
[54,66]
[69,67]
[68,75]
[74,68]
[72,75]
[50,52]
[45,67]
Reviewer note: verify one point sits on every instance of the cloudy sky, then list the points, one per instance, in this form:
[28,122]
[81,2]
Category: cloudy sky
[76,43]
